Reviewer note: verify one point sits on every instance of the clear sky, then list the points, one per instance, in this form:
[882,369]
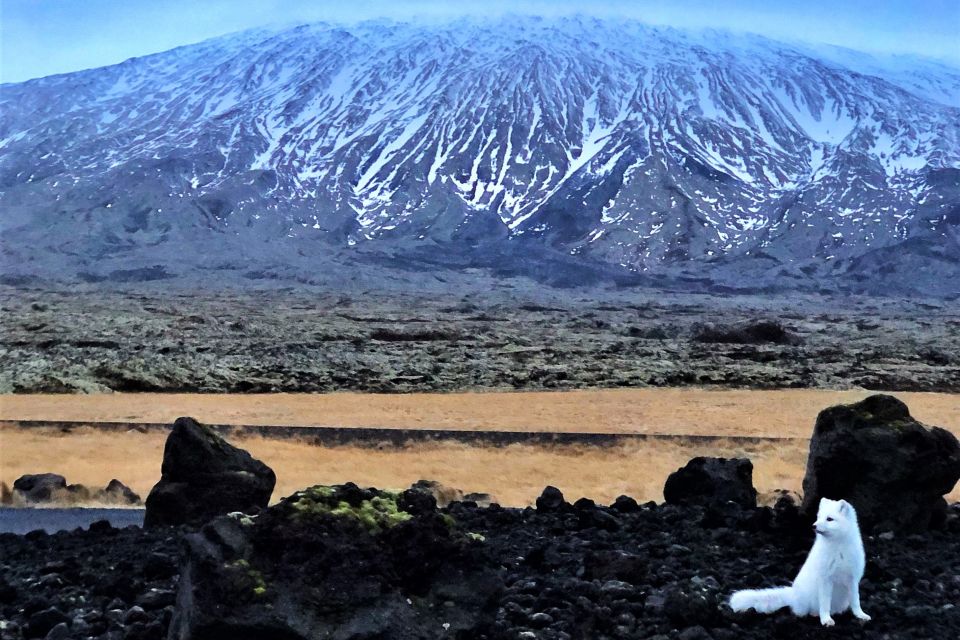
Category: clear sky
[43,37]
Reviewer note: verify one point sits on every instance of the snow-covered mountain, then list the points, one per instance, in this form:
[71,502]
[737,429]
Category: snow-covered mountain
[704,156]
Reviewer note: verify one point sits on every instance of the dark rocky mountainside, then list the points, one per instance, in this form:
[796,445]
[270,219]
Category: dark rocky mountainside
[574,150]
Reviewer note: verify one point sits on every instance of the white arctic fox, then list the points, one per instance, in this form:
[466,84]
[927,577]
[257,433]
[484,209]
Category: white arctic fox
[829,580]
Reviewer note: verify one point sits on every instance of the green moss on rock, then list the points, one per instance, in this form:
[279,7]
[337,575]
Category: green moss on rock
[246,579]
[376,514]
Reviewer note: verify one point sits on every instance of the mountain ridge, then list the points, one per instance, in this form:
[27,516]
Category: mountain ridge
[654,153]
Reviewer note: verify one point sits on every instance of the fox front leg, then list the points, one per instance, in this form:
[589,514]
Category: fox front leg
[824,594]
[855,603]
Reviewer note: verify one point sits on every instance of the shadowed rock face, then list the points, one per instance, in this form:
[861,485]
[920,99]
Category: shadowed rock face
[204,476]
[893,469]
[712,482]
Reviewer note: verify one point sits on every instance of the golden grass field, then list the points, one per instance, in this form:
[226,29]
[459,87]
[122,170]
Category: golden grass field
[514,475]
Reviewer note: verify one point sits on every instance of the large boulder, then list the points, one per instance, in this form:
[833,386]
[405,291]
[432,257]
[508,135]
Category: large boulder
[39,487]
[894,470]
[203,476]
[712,482]
[335,562]
[47,488]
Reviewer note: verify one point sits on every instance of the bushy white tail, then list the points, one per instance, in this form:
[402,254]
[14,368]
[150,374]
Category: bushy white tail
[762,600]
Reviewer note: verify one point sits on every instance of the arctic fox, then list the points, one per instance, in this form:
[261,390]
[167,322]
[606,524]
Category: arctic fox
[829,581]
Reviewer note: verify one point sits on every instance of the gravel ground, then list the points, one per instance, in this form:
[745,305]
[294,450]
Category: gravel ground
[564,571]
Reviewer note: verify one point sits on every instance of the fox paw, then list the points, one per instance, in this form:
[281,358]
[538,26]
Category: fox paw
[827,622]
[862,616]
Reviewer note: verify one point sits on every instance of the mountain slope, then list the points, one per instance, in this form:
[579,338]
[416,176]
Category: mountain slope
[614,146]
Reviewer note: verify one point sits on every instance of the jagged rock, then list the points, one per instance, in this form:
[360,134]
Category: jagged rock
[204,476]
[893,469]
[712,482]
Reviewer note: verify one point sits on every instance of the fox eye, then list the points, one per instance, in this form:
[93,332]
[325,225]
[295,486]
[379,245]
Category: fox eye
[830,519]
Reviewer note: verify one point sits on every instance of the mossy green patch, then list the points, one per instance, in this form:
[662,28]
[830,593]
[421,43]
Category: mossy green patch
[246,578]
[375,515]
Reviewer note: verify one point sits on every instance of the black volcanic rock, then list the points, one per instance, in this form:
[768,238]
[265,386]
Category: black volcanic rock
[204,476]
[661,574]
[753,332]
[118,493]
[40,487]
[625,504]
[551,500]
[43,621]
[52,488]
[334,562]
[712,482]
[892,468]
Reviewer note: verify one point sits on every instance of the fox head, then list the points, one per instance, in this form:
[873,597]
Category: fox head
[835,518]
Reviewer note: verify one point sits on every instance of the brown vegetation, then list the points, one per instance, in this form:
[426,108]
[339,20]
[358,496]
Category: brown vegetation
[514,475]
[687,411]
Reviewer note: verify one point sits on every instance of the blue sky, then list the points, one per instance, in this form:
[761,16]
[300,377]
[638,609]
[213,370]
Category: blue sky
[43,37]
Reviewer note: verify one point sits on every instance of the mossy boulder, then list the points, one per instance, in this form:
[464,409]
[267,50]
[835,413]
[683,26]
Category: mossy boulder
[892,468]
[335,562]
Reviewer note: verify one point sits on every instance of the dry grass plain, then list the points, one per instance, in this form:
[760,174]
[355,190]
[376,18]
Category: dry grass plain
[514,474]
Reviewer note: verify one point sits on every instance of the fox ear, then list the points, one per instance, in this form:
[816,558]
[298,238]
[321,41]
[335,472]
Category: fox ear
[845,507]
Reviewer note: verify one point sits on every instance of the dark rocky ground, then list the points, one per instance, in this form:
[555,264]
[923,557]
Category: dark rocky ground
[101,583]
[558,571]
[509,335]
